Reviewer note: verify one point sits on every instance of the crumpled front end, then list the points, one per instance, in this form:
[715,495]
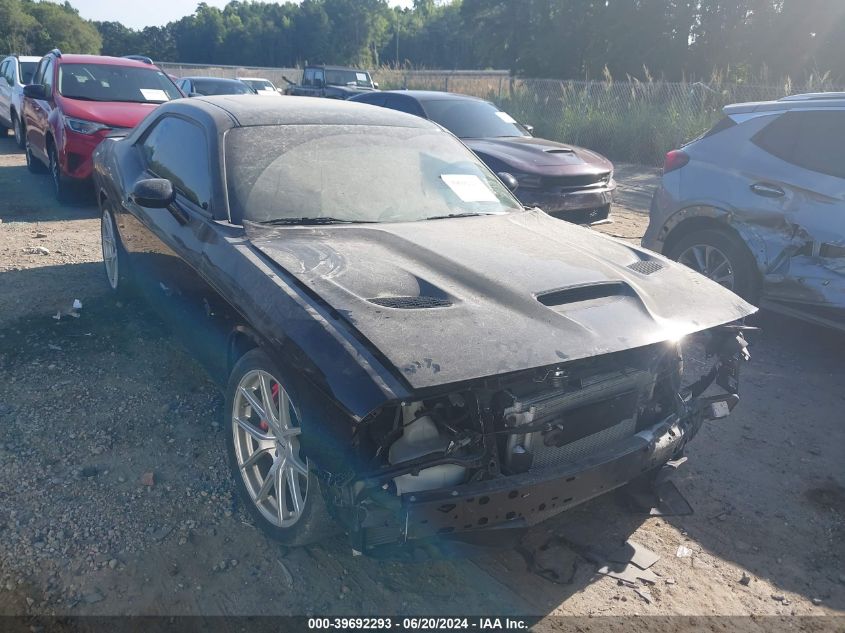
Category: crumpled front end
[513,451]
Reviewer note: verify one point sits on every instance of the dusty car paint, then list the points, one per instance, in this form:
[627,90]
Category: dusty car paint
[534,321]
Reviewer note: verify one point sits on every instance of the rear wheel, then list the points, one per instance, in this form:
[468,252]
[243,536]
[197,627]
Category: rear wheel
[34,165]
[275,480]
[114,255]
[20,135]
[722,257]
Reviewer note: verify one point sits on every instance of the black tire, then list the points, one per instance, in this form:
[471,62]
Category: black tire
[746,278]
[61,187]
[20,133]
[34,165]
[314,522]
[121,282]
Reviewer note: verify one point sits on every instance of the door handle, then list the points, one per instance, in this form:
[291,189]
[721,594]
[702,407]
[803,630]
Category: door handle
[767,191]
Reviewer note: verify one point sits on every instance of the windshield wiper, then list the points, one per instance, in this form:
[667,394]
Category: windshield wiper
[457,215]
[310,221]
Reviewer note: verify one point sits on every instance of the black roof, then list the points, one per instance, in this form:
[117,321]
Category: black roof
[222,79]
[325,67]
[249,110]
[434,95]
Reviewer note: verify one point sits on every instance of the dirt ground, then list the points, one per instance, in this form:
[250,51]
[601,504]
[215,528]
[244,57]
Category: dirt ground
[89,404]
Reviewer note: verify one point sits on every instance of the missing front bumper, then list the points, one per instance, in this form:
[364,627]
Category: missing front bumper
[521,500]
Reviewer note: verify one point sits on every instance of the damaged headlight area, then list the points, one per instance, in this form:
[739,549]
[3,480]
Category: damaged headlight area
[512,451]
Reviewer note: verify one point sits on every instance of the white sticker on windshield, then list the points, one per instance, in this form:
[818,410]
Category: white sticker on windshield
[154,95]
[361,76]
[507,118]
[469,188]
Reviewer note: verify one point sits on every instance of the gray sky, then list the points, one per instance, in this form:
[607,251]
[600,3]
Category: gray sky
[141,13]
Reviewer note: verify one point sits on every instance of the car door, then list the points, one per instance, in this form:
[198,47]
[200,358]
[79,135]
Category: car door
[166,246]
[5,92]
[37,111]
[802,179]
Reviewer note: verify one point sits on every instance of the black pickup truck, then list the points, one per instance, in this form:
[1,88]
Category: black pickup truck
[331,82]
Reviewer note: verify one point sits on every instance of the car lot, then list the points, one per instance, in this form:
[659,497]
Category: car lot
[90,405]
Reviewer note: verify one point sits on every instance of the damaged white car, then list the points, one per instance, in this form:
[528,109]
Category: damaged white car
[758,205]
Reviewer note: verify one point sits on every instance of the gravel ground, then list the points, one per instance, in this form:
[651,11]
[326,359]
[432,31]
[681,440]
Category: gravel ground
[115,499]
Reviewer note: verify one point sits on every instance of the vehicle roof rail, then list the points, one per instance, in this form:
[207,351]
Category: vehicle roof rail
[814,96]
[139,58]
[55,52]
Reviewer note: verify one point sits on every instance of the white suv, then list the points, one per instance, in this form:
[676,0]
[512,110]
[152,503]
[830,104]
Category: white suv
[15,72]
[263,87]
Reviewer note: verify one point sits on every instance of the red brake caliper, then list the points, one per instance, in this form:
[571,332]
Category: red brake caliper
[275,392]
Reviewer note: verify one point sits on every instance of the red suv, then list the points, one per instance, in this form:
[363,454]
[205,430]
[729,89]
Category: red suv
[75,101]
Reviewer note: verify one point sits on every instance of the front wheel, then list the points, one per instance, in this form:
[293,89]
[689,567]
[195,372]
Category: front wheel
[60,183]
[275,480]
[721,257]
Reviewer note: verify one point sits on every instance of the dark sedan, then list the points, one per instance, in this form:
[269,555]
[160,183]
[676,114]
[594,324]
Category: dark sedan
[565,181]
[213,86]
[405,349]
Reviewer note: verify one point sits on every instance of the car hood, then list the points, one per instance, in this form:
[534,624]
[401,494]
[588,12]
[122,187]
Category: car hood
[112,113]
[539,156]
[490,295]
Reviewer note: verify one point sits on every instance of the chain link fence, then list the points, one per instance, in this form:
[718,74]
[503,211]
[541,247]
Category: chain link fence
[627,121]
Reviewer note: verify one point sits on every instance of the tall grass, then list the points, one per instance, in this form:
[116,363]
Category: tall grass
[627,121]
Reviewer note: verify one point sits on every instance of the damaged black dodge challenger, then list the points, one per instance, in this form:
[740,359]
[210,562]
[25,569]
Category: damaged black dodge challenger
[409,354]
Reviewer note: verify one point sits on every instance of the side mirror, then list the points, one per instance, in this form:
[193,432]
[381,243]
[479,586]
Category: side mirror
[34,91]
[528,128]
[194,94]
[509,179]
[153,193]
[375,85]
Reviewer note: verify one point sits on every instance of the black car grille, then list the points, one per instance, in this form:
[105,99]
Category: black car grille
[411,303]
[576,182]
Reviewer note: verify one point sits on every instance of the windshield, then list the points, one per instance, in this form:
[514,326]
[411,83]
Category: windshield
[259,84]
[357,78]
[27,70]
[473,119]
[355,173]
[211,87]
[101,82]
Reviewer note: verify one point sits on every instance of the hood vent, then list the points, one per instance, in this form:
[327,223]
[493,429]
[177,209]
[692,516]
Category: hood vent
[646,267]
[559,151]
[411,303]
[583,294]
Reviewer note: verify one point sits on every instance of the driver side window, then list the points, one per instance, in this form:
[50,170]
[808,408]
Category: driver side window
[177,150]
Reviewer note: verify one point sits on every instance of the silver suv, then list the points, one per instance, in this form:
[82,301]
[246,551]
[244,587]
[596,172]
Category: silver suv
[15,72]
[758,204]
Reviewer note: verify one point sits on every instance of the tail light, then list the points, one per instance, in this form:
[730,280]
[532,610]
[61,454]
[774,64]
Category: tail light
[675,160]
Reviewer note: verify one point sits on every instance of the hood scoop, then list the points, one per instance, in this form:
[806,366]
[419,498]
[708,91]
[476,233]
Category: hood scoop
[585,296]
[646,266]
[559,151]
[411,303]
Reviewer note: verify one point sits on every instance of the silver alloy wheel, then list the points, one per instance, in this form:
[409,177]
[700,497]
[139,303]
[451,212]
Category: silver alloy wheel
[109,242]
[265,427]
[710,262]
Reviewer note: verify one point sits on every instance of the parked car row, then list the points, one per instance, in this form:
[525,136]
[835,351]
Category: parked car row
[410,350]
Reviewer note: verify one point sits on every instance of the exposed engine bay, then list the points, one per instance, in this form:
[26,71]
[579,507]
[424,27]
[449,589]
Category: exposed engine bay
[529,427]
